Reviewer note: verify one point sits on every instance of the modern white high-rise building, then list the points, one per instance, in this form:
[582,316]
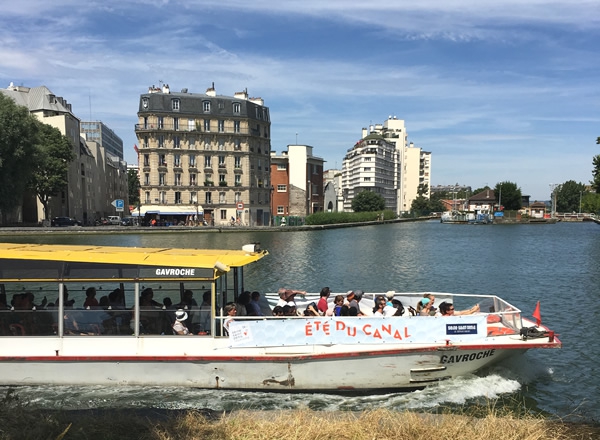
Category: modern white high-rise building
[385,162]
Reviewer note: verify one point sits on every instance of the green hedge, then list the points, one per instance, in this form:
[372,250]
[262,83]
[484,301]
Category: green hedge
[330,218]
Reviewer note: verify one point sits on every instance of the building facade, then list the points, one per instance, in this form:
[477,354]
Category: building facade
[97,131]
[332,190]
[204,154]
[85,197]
[297,179]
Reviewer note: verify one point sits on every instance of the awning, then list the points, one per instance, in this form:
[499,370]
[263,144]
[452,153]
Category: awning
[167,210]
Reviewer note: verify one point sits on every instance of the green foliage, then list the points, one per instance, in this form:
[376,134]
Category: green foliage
[420,206]
[422,189]
[18,133]
[368,201]
[512,199]
[568,196]
[596,173]
[133,185]
[332,218]
[52,159]
[590,202]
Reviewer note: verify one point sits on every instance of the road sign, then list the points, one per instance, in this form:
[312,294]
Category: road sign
[240,206]
[119,204]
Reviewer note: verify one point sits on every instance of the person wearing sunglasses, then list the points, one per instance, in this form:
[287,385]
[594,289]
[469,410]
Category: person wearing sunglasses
[447,309]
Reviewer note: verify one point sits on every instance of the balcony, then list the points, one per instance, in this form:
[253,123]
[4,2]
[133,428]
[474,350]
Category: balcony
[198,128]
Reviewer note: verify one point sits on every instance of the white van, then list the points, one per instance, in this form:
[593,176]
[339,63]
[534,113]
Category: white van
[114,219]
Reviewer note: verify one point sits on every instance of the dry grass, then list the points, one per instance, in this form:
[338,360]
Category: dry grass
[19,422]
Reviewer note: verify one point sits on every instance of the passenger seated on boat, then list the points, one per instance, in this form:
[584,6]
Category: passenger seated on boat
[289,310]
[179,327]
[322,304]
[230,311]
[389,295]
[424,307]
[68,303]
[253,307]
[150,315]
[277,311]
[288,295]
[432,309]
[447,309]
[354,298]
[243,302]
[399,308]
[382,308]
[311,310]
[335,308]
[204,312]
[189,304]
[90,298]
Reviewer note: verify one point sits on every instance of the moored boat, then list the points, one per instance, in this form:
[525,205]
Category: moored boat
[127,339]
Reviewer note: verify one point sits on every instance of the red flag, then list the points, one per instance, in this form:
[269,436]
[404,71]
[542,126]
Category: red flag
[536,314]
[135,147]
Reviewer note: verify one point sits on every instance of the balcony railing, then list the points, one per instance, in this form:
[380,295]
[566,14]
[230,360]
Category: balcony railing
[170,127]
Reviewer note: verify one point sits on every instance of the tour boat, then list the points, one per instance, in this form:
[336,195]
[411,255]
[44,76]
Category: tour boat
[96,315]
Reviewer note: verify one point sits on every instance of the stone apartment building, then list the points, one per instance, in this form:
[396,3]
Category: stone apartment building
[203,154]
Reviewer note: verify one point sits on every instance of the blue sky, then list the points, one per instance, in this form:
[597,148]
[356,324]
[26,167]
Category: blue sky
[496,90]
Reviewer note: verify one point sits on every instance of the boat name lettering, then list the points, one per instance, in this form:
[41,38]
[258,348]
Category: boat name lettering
[454,359]
[172,271]
[312,327]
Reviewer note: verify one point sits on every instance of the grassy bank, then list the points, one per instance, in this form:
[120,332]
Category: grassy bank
[22,423]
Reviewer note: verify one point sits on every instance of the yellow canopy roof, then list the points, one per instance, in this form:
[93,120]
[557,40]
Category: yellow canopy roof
[169,257]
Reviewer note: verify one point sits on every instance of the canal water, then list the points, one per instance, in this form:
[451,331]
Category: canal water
[558,265]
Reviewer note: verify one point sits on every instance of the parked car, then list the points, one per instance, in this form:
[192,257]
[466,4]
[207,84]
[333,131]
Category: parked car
[65,221]
[128,221]
[114,219]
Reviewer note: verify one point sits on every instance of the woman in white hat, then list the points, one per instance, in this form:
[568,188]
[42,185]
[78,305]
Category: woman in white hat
[179,327]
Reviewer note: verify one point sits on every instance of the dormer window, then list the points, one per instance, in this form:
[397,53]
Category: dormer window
[237,108]
[206,106]
[175,104]
[145,102]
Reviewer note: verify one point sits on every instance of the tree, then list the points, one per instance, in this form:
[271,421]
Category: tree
[422,189]
[569,195]
[133,185]
[368,201]
[596,171]
[420,206]
[510,195]
[53,156]
[18,131]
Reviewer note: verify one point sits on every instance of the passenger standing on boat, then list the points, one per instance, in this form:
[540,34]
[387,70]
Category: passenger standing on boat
[287,296]
[205,311]
[322,304]
[179,327]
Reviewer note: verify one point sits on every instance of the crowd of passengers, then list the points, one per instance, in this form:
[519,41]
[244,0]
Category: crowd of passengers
[108,315]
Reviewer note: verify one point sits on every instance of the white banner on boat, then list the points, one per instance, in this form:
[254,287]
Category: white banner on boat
[336,330]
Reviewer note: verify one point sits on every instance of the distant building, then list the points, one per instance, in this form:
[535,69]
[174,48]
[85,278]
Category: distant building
[297,179]
[384,162]
[332,190]
[97,131]
[85,198]
[204,154]
[483,202]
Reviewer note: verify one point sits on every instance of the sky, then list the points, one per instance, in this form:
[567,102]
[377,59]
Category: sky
[497,91]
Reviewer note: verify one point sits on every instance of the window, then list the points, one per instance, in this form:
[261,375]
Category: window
[163,197]
[280,210]
[191,125]
[281,166]
[223,214]
[146,178]
[222,179]
[221,161]
[147,197]
[281,188]
[161,122]
[207,125]
[192,160]
[221,145]
[176,142]
[175,104]
[145,144]
[192,142]
[207,144]
[237,145]
[162,160]
[193,179]
[259,167]
[237,160]
[146,160]
[237,108]
[206,106]
[177,197]
[221,126]
[176,124]
[193,197]
[238,197]
[177,160]
[177,179]
[367,169]
[207,161]
[162,179]
[145,102]
[366,179]
[238,180]
[236,126]
[221,197]
[208,198]
[161,141]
